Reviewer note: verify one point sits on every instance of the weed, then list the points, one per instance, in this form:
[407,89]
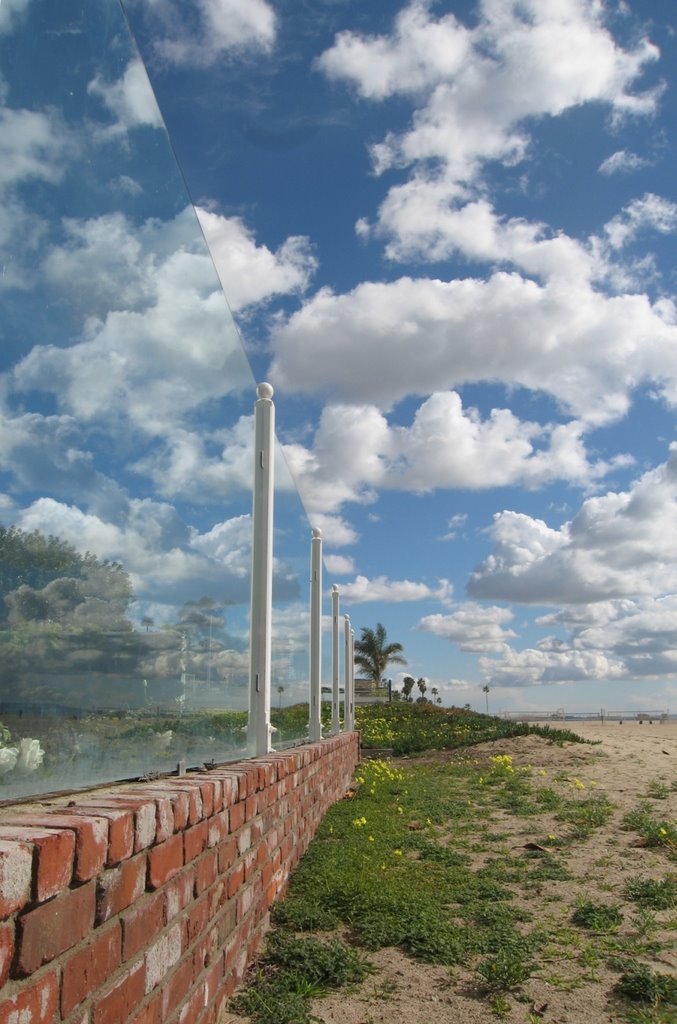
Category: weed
[508,969]
[642,985]
[294,971]
[653,831]
[501,1006]
[598,917]
[659,894]
[657,790]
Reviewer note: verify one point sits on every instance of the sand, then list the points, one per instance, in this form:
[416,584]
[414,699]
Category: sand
[622,764]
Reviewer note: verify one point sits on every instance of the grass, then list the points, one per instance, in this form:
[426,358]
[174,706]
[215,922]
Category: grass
[425,857]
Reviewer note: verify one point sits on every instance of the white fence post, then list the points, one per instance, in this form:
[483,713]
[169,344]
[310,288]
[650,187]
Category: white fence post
[258,725]
[335,723]
[350,723]
[346,673]
[315,723]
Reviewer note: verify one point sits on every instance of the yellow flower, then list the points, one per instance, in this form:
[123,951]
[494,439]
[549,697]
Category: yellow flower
[331,830]
[397,853]
[552,838]
[400,811]
[371,839]
[663,831]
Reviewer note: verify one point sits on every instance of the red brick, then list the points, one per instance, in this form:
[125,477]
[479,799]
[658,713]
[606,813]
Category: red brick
[251,807]
[152,1012]
[164,811]
[227,854]
[194,795]
[165,861]
[120,829]
[192,1009]
[195,840]
[119,887]
[16,876]
[35,1004]
[145,815]
[175,989]
[53,854]
[89,968]
[197,920]
[91,838]
[6,950]
[122,998]
[54,927]
[141,923]
[235,879]
[218,828]
[162,956]
[237,816]
[178,893]
[205,872]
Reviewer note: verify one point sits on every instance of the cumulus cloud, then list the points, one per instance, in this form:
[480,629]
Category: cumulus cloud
[130,100]
[382,341]
[11,12]
[141,291]
[621,544]
[623,161]
[651,211]
[478,90]
[357,452]
[535,667]
[33,145]
[339,565]
[380,588]
[472,627]
[210,30]
[251,273]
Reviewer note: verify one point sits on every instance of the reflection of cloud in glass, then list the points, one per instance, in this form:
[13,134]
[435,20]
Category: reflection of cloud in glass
[130,99]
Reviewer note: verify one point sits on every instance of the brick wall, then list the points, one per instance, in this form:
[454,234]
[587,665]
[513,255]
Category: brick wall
[144,903]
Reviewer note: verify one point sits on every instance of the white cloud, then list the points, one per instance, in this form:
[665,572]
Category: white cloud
[419,53]
[618,545]
[380,588]
[339,565]
[519,62]
[32,146]
[130,99]
[651,211]
[210,30]
[537,668]
[383,341]
[251,273]
[143,292]
[10,13]
[623,161]
[472,627]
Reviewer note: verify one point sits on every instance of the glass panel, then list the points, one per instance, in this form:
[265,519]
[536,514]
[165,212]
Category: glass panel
[126,412]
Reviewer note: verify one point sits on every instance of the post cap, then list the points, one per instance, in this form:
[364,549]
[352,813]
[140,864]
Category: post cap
[317,533]
[265,390]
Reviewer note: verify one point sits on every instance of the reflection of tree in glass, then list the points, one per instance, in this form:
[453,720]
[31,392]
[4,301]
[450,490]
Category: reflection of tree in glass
[61,614]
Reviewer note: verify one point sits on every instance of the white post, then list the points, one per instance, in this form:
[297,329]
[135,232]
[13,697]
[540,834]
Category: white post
[335,726]
[315,725]
[258,725]
[346,672]
[350,723]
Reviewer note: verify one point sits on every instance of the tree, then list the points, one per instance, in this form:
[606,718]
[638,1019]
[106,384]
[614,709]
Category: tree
[408,684]
[485,691]
[373,654]
[423,686]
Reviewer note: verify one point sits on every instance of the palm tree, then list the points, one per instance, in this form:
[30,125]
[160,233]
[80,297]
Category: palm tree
[373,654]
[485,691]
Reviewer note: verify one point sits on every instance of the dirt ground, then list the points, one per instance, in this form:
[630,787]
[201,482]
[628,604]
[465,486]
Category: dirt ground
[626,759]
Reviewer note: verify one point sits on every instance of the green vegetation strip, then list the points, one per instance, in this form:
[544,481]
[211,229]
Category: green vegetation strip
[416,857]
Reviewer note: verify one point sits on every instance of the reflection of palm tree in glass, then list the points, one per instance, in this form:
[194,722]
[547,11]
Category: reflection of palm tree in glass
[485,691]
[280,691]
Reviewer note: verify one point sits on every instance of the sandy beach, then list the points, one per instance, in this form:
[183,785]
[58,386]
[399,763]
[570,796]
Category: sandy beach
[628,763]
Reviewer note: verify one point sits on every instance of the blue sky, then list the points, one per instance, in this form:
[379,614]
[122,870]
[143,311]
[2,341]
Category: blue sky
[446,234]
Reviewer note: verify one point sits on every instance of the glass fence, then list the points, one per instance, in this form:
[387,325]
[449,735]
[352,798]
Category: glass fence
[126,443]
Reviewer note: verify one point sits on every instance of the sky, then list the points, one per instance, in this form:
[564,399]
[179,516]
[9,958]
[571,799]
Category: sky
[445,231]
